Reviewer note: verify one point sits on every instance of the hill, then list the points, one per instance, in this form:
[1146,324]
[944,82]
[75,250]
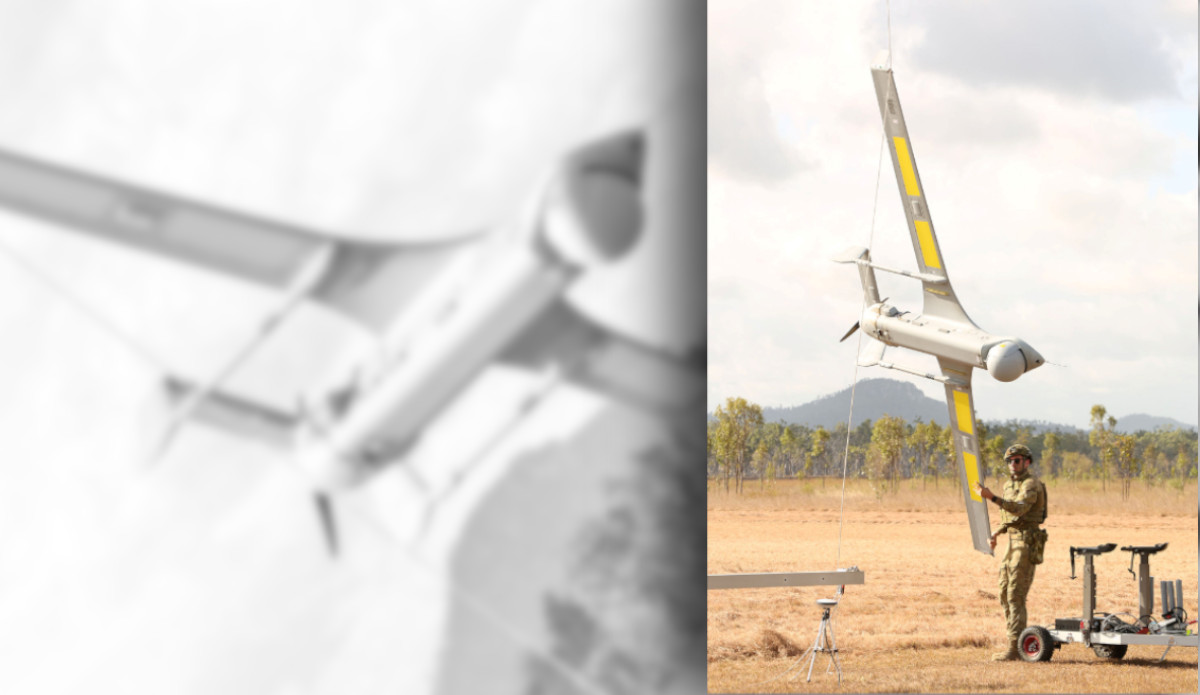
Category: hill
[1139,421]
[874,398]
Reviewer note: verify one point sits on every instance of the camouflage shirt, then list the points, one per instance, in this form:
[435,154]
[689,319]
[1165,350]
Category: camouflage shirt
[1022,506]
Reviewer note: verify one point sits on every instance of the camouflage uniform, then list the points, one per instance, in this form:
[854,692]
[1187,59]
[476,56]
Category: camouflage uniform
[1022,510]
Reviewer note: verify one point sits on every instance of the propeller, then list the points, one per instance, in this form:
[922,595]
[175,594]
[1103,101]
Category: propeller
[312,421]
[855,326]
[328,523]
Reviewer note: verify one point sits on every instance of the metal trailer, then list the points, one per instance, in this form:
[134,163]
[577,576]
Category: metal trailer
[1108,635]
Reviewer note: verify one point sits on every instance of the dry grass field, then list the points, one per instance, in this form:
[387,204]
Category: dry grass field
[928,618]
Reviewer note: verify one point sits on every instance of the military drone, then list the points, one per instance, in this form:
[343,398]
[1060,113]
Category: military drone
[943,328]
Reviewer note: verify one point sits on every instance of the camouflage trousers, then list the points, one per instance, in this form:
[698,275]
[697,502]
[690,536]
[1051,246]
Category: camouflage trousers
[1016,576]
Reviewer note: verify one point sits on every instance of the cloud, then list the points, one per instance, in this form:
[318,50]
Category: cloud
[744,137]
[964,118]
[1082,48]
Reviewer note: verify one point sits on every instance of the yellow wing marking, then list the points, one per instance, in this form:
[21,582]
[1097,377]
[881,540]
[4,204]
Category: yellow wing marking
[928,249]
[906,167]
[972,470]
[962,410]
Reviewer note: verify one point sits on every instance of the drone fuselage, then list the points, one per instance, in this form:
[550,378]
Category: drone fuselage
[1005,358]
[390,413]
[582,220]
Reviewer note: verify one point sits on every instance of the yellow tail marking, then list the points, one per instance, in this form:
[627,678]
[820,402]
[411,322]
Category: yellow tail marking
[928,247]
[962,410]
[906,167]
[972,470]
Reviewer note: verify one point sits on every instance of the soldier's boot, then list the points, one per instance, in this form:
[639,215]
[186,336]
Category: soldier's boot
[1010,655]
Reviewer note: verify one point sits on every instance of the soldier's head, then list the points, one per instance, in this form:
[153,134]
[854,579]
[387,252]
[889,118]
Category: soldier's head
[1018,457]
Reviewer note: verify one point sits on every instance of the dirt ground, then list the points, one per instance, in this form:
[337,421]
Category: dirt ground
[928,617]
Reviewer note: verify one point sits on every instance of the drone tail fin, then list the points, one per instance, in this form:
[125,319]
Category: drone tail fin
[861,256]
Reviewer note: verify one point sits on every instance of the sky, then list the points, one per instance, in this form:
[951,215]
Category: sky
[1056,145]
[206,572]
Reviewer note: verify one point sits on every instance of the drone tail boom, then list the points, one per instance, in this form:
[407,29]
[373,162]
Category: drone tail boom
[237,414]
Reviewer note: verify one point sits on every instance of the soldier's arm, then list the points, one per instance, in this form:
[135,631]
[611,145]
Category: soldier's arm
[1022,501]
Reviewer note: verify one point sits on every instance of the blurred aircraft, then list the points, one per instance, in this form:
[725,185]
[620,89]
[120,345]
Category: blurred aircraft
[442,310]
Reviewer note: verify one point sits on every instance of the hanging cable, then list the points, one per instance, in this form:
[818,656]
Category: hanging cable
[83,307]
[858,350]
[858,347]
[850,417]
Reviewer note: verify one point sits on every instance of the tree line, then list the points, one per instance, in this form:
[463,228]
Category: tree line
[741,447]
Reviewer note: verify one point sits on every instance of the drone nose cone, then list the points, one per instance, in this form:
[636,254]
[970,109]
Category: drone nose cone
[1005,361]
[1011,358]
[1033,357]
[593,210]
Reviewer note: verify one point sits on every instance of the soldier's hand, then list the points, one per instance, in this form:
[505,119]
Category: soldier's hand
[983,491]
[992,541]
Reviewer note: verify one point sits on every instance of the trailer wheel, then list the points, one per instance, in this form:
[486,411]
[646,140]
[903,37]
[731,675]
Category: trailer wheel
[1110,651]
[1035,644]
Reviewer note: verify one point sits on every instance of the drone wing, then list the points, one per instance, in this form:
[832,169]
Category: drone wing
[966,448]
[940,299]
[367,281]
[599,359]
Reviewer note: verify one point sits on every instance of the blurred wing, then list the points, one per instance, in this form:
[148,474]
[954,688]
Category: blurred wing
[966,448]
[601,360]
[940,299]
[369,282]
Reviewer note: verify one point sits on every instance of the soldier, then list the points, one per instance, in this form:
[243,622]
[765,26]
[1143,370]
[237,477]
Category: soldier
[1023,508]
